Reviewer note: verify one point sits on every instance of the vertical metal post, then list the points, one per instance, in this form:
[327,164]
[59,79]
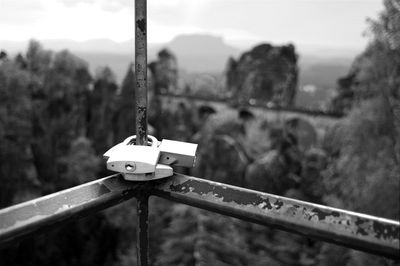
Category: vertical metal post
[141,124]
[142,230]
[141,71]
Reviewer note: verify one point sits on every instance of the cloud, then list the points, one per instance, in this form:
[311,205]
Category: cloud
[306,21]
[107,5]
[20,12]
[72,3]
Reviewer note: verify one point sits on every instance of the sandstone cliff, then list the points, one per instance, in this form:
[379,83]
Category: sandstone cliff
[268,74]
[165,72]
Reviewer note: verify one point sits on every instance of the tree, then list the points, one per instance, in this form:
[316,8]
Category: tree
[59,90]
[38,59]
[81,162]
[125,115]
[43,148]
[102,106]
[364,174]
[16,168]
[196,237]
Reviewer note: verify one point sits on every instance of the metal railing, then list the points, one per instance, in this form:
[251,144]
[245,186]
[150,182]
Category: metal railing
[363,232]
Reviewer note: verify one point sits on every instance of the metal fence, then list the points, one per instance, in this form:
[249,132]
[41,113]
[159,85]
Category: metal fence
[363,232]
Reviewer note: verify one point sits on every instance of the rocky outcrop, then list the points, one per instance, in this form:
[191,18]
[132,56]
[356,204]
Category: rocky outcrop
[344,98]
[266,73]
[165,72]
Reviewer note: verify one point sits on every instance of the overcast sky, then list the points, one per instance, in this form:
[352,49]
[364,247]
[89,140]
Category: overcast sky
[336,23]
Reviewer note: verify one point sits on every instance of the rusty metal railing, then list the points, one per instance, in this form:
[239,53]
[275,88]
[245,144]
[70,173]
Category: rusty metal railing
[362,232]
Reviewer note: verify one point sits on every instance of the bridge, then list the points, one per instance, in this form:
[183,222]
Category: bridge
[321,121]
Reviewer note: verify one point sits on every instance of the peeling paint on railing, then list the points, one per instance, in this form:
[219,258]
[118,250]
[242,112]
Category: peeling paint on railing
[364,232]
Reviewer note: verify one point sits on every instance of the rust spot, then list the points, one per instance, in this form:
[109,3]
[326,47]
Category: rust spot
[225,194]
[385,231]
[141,24]
[323,214]
[142,109]
[278,204]
[362,227]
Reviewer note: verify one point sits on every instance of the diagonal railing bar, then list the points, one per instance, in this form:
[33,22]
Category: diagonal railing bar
[44,213]
[359,231]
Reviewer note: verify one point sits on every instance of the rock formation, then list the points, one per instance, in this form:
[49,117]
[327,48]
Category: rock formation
[165,72]
[266,73]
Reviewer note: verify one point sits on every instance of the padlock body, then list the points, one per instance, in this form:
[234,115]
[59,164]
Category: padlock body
[162,171]
[113,149]
[177,153]
[133,159]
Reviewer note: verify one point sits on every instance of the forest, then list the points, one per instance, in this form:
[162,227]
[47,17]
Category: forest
[57,119]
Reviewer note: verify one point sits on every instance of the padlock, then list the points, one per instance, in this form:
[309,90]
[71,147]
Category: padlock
[129,158]
[128,141]
[177,153]
[144,163]
[161,172]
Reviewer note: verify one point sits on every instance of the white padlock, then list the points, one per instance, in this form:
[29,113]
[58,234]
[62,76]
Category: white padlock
[162,171]
[129,158]
[177,153]
[144,163]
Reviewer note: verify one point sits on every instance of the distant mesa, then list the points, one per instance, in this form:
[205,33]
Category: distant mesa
[201,44]
[201,52]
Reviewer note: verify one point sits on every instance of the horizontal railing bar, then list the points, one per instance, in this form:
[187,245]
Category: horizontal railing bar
[46,212]
[363,232]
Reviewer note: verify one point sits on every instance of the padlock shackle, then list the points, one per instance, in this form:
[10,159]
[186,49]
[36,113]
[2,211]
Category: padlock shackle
[151,140]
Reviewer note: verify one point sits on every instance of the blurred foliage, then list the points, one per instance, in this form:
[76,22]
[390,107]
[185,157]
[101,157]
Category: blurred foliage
[366,145]
[16,169]
[364,171]
[47,114]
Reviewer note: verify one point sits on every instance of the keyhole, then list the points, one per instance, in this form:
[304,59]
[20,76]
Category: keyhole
[130,167]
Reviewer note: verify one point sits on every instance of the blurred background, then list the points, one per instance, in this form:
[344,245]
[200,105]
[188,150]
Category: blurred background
[299,98]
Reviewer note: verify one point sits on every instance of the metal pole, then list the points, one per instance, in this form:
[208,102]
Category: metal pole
[141,71]
[142,230]
[141,124]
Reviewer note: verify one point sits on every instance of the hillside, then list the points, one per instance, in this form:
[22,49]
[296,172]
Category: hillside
[195,53]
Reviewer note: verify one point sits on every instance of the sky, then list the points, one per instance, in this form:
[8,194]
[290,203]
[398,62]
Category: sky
[333,23]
